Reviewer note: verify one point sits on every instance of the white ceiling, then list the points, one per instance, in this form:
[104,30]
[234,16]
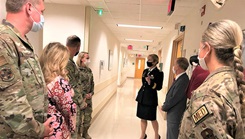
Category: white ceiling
[139,12]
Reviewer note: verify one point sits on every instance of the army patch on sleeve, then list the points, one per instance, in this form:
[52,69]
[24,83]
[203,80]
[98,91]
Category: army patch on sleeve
[6,74]
[200,114]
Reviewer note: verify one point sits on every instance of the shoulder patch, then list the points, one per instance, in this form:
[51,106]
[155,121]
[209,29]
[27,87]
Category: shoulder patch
[6,74]
[200,114]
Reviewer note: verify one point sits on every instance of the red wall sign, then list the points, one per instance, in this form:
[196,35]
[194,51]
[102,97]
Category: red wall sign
[130,47]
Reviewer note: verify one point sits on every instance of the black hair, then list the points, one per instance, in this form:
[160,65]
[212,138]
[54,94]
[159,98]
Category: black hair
[194,59]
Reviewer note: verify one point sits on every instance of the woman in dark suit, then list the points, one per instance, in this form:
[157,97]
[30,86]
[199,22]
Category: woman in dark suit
[147,98]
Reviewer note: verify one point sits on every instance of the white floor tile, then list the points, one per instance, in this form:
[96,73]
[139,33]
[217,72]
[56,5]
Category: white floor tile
[118,119]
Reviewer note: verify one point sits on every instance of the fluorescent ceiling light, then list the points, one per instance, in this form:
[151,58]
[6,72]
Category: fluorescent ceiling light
[136,26]
[139,40]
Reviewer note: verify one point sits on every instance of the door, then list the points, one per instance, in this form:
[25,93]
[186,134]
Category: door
[139,67]
[176,52]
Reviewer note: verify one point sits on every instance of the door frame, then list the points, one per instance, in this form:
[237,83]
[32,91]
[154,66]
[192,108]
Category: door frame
[136,64]
[174,57]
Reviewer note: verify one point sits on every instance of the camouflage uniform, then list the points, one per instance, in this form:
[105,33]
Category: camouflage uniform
[73,75]
[87,82]
[23,95]
[214,111]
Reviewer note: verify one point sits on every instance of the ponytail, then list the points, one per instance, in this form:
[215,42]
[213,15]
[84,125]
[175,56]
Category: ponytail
[239,73]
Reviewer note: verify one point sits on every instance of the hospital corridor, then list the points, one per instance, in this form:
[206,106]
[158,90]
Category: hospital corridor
[118,118]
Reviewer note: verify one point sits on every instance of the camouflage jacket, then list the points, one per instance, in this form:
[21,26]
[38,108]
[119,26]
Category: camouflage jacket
[23,93]
[73,75]
[87,79]
[214,111]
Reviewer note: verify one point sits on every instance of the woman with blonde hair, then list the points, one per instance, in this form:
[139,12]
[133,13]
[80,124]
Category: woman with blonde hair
[216,108]
[147,98]
[62,109]
[87,81]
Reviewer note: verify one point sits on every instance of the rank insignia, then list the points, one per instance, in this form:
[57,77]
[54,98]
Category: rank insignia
[6,74]
[208,134]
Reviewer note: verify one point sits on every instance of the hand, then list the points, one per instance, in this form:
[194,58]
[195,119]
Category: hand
[148,79]
[88,96]
[84,104]
[72,93]
[48,129]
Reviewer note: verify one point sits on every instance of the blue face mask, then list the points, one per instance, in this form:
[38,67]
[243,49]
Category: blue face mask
[37,26]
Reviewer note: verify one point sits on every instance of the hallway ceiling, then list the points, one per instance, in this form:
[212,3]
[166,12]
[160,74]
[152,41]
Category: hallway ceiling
[139,12]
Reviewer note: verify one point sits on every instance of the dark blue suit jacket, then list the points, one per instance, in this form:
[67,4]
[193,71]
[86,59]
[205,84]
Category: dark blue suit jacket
[175,102]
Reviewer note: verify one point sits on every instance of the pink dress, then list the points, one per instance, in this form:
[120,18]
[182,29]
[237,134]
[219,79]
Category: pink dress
[61,108]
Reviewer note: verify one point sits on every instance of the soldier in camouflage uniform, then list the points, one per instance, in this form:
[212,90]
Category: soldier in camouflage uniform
[23,99]
[73,44]
[87,81]
[216,109]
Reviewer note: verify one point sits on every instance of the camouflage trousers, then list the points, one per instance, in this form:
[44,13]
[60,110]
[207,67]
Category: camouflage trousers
[83,119]
[79,119]
[87,115]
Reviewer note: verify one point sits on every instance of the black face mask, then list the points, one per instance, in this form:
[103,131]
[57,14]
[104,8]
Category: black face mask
[149,64]
[76,53]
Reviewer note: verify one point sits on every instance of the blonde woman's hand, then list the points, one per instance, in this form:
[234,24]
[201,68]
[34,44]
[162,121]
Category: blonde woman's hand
[48,129]
[148,79]
[72,93]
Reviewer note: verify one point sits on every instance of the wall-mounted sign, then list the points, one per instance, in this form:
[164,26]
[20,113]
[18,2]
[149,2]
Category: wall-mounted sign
[130,47]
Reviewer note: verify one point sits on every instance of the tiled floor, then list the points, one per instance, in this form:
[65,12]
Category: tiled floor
[118,119]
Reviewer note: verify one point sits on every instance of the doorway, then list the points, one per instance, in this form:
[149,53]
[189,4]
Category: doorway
[176,52]
[139,67]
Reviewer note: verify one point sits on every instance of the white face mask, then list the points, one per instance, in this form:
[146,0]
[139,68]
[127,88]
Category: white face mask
[37,26]
[173,70]
[202,60]
[194,64]
[87,61]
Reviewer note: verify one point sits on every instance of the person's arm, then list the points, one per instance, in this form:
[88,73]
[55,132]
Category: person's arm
[213,112]
[144,75]
[64,103]
[156,83]
[92,83]
[71,74]
[155,80]
[74,81]
[15,109]
[176,96]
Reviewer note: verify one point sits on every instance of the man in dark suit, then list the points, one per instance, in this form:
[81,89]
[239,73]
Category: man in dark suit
[175,102]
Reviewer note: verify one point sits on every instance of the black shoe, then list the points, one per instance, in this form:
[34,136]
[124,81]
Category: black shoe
[145,136]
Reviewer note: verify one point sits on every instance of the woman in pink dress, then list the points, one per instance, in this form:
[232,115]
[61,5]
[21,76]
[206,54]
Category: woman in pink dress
[61,108]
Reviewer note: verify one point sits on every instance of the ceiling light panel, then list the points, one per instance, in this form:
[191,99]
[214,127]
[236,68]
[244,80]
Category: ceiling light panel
[139,40]
[137,26]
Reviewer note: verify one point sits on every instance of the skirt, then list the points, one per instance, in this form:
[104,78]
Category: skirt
[146,112]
